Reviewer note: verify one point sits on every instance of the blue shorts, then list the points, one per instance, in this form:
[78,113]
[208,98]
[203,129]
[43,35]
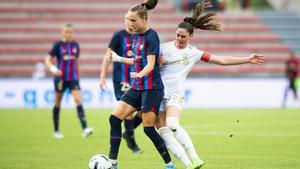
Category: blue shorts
[144,100]
[120,88]
[61,86]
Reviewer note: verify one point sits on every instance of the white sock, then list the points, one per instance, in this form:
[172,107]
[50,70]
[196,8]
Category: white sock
[174,147]
[185,140]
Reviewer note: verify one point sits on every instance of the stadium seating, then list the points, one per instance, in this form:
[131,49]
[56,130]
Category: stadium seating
[29,28]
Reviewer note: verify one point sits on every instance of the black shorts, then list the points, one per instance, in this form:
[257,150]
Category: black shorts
[144,100]
[120,88]
[61,86]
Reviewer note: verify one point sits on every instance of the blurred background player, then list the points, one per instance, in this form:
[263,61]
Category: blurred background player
[177,58]
[121,44]
[292,72]
[146,91]
[66,53]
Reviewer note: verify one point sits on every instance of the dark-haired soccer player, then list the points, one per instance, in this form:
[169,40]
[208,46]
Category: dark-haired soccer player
[66,53]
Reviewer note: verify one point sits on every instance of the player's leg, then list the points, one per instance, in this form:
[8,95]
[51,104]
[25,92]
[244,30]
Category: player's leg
[173,110]
[75,90]
[294,89]
[56,110]
[128,135]
[125,108]
[150,108]
[171,142]
[137,119]
[58,87]
[181,135]
[120,88]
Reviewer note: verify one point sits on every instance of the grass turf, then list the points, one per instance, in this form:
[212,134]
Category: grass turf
[225,139]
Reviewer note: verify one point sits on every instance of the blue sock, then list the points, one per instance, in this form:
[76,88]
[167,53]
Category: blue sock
[129,131]
[115,136]
[81,116]
[158,142]
[136,121]
[56,111]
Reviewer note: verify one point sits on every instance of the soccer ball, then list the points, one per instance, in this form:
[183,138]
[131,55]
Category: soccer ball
[100,161]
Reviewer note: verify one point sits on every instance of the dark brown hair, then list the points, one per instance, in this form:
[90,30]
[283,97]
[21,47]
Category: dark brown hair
[141,9]
[201,21]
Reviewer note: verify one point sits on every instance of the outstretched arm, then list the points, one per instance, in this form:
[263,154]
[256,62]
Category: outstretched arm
[229,60]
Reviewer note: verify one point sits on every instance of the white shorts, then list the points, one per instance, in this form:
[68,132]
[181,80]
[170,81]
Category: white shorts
[175,99]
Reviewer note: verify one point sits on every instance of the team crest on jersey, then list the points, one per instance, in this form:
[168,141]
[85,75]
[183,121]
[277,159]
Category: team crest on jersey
[129,53]
[74,50]
[185,60]
[67,57]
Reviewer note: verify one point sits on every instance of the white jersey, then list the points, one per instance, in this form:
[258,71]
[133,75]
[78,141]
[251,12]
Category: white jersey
[179,63]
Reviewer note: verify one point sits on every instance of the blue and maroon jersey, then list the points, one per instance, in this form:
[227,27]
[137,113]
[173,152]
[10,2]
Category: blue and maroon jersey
[67,54]
[144,45]
[121,44]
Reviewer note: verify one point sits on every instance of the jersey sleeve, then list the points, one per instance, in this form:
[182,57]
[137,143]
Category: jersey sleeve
[114,43]
[152,42]
[205,56]
[78,50]
[54,51]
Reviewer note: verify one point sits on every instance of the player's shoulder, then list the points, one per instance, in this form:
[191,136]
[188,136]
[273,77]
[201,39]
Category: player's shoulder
[194,49]
[167,44]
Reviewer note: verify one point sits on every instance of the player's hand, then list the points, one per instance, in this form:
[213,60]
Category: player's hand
[55,71]
[135,75]
[58,73]
[256,59]
[102,83]
[161,60]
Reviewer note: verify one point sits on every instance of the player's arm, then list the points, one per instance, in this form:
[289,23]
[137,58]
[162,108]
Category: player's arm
[53,69]
[104,68]
[116,58]
[230,60]
[147,69]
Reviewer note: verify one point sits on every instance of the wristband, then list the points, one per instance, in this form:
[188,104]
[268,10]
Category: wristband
[115,57]
[53,69]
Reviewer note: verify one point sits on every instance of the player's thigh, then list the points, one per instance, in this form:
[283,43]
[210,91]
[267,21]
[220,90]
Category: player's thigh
[123,110]
[149,119]
[77,96]
[58,97]
[173,111]
[161,120]
[151,100]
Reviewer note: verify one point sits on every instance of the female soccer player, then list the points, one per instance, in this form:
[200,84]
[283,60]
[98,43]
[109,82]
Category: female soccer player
[292,71]
[66,52]
[121,44]
[146,91]
[177,59]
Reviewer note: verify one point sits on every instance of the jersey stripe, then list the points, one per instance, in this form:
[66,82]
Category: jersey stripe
[63,63]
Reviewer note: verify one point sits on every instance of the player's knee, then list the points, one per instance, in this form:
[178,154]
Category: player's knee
[172,123]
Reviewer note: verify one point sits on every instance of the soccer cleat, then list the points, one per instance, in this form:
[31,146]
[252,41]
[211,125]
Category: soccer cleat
[197,164]
[137,150]
[58,135]
[87,132]
[170,166]
[131,144]
[114,166]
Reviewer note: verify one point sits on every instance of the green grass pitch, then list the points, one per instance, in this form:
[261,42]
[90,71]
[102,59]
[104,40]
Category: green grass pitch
[224,138]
